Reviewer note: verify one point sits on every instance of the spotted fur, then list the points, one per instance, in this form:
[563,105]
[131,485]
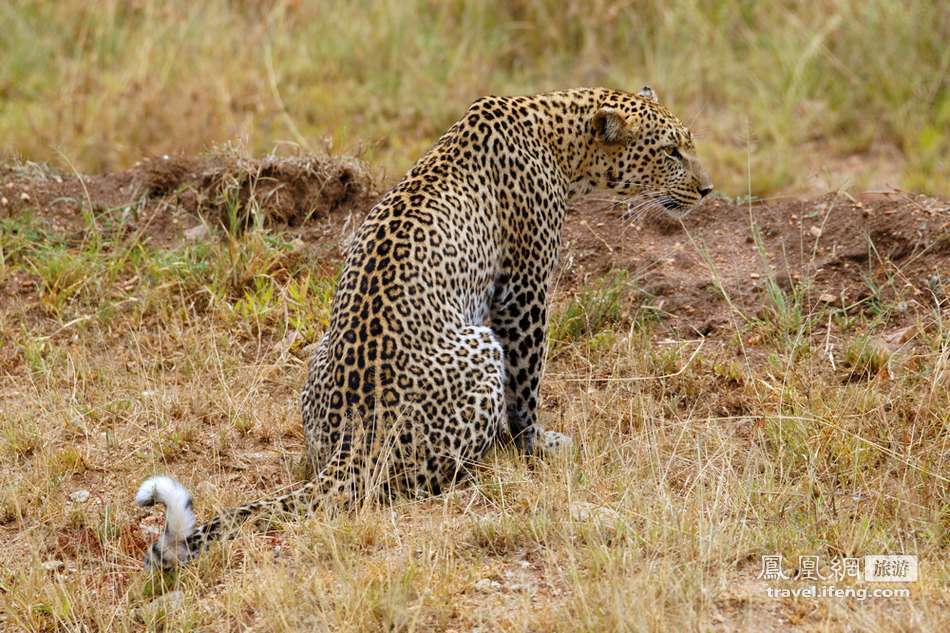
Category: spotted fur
[437,335]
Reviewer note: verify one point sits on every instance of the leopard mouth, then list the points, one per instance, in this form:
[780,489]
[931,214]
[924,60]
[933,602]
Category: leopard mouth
[677,209]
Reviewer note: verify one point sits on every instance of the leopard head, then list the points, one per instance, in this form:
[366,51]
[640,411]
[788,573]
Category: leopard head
[639,148]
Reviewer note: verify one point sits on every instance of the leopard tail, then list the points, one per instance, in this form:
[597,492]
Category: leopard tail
[182,540]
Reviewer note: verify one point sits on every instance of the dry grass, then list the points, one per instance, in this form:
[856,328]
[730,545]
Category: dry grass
[119,359]
[124,360]
[816,94]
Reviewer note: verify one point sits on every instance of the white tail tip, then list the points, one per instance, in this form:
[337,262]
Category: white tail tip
[179,517]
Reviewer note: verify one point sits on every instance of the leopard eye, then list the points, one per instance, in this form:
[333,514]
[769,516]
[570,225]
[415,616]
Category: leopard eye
[674,151]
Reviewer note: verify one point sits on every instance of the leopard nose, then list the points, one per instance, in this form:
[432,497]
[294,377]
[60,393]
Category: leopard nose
[705,191]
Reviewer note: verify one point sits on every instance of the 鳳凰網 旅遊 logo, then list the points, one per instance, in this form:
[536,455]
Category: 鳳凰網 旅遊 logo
[816,576]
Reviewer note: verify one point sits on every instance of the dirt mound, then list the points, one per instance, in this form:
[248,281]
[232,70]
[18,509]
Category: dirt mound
[842,250]
[276,190]
[223,187]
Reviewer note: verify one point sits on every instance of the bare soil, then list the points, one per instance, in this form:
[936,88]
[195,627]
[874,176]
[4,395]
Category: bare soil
[844,248]
[841,247]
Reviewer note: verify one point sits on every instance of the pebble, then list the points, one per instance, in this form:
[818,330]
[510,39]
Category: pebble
[487,585]
[897,338]
[52,565]
[584,511]
[196,233]
[79,496]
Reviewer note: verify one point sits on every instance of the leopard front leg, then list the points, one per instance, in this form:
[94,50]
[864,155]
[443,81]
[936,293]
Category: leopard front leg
[519,319]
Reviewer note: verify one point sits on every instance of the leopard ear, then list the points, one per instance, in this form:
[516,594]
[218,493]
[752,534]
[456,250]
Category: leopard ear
[648,93]
[610,126]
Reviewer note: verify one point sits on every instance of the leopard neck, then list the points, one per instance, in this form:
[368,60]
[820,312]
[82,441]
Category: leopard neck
[564,128]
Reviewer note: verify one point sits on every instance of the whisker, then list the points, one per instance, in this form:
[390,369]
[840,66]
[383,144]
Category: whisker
[646,202]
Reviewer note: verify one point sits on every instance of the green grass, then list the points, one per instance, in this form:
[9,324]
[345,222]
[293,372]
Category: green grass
[773,90]
[593,309]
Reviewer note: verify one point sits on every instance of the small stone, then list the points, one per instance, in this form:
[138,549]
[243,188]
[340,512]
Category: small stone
[899,337]
[487,585]
[79,496]
[52,565]
[25,197]
[826,297]
[584,511]
[196,233]
[815,231]
[4,201]
[754,275]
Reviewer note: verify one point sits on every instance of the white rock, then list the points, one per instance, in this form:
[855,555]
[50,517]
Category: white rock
[584,511]
[52,565]
[487,585]
[901,336]
[79,496]
[196,233]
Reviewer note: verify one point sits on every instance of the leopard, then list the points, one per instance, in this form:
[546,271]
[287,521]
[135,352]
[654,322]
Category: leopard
[436,341]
